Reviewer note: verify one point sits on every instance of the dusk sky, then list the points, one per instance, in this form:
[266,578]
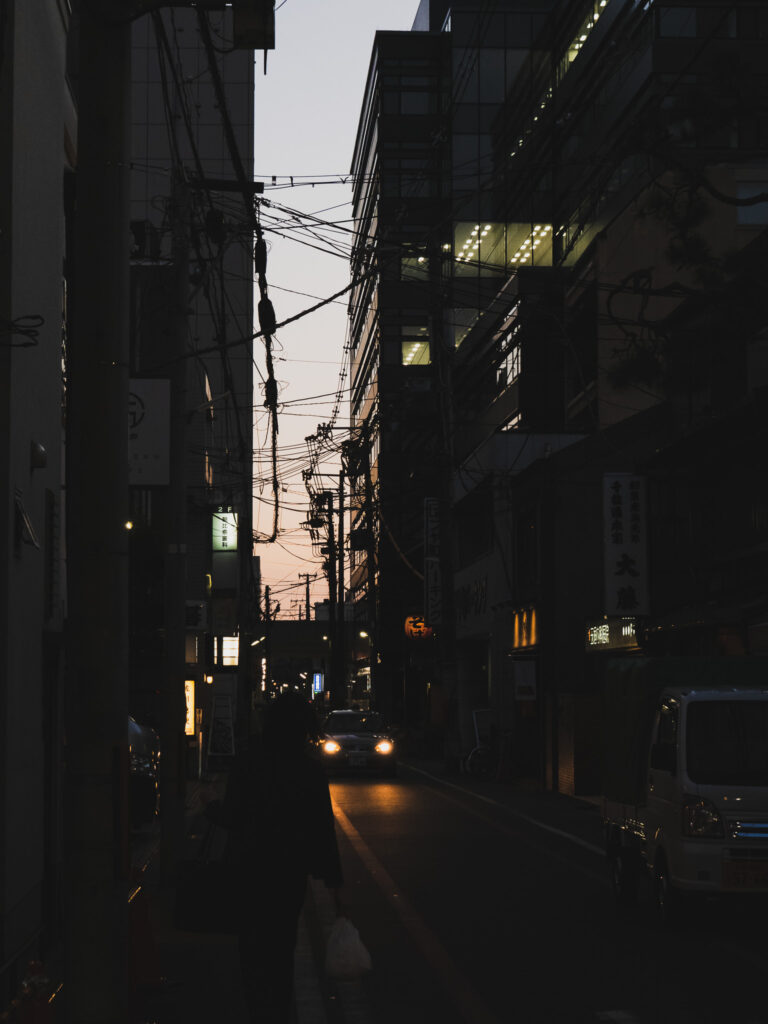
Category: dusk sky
[307,108]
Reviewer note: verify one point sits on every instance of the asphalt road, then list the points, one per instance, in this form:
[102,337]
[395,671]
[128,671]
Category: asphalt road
[474,915]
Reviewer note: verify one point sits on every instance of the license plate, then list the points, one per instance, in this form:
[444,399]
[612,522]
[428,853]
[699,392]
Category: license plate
[357,760]
[745,874]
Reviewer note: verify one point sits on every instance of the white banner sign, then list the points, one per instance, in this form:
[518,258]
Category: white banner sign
[625,547]
[149,437]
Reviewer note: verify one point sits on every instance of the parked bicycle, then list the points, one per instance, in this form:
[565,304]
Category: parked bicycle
[480,761]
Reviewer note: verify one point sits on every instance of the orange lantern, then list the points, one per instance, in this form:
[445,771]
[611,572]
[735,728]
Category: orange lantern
[416,627]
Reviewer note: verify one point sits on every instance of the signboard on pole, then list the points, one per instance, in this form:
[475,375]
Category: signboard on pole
[189,696]
[433,584]
[625,553]
[149,432]
[224,536]
[433,592]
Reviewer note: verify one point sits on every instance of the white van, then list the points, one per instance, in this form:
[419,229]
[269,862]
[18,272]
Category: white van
[698,821]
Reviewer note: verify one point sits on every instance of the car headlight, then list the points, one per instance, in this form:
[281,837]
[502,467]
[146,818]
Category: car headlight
[331,747]
[701,818]
[384,747]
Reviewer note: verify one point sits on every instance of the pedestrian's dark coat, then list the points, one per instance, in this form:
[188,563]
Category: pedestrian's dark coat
[277,808]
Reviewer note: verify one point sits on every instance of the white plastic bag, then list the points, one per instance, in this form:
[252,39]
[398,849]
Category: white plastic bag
[345,955]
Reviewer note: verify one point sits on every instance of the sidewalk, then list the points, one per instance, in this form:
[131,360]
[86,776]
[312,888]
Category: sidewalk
[576,818]
[191,977]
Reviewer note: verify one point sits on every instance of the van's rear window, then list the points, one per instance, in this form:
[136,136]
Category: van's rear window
[727,742]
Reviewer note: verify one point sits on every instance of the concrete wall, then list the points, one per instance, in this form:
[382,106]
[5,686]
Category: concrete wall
[36,133]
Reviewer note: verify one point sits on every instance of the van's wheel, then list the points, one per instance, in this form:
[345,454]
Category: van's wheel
[667,900]
[623,875]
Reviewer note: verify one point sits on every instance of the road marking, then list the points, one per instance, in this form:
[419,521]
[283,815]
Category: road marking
[592,847]
[453,981]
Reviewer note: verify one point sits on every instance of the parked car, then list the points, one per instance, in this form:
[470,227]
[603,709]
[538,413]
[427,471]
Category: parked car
[357,741]
[144,755]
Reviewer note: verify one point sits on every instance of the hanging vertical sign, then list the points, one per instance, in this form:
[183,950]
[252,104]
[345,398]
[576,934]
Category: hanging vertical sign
[149,419]
[625,546]
[224,530]
[189,698]
[433,585]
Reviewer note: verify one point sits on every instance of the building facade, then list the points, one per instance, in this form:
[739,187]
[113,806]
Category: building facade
[38,136]
[192,276]
[422,164]
[580,315]
[647,200]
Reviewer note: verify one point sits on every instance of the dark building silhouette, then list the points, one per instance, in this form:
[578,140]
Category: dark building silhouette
[564,314]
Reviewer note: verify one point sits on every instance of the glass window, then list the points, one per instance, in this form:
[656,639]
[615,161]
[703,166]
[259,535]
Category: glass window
[718,22]
[415,103]
[461,322]
[414,267]
[757,213]
[340,722]
[479,248]
[727,742]
[519,28]
[465,77]
[515,59]
[677,22]
[414,345]
[226,650]
[465,162]
[510,368]
[513,423]
[491,69]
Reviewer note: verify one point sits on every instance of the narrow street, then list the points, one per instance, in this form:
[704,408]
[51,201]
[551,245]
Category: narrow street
[473,913]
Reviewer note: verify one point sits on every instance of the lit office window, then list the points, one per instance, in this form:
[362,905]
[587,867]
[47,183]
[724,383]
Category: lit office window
[414,345]
[226,650]
[415,265]
[486,249]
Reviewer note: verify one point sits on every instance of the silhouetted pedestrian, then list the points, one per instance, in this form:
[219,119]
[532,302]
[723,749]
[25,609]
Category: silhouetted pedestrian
[278,809]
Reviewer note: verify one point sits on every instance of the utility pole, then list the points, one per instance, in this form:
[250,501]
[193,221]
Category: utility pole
[267,643]
[306,577]
[341,660]
[96,858]
[442,354]
[332,602]
[246,587]
[173,761]
[373,632]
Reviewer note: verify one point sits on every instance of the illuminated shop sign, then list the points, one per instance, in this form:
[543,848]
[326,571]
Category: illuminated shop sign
[189,695]
[524,628]
[224,530]
[612,635]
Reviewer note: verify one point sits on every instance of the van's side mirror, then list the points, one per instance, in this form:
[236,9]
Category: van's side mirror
[663,757]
